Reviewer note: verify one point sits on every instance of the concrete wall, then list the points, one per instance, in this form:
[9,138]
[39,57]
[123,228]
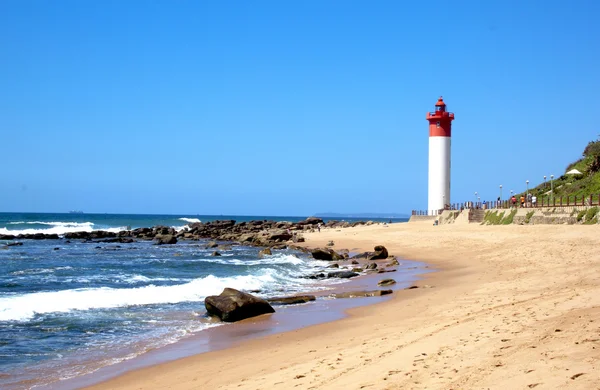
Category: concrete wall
[545,215]
[421,218]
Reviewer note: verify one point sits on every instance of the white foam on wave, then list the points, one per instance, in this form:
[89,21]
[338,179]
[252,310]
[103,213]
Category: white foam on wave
[180,228]
[57,228]
[190,220]
[26,306]
[268,260]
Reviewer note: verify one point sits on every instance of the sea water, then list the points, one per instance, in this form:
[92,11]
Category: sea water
[69,308]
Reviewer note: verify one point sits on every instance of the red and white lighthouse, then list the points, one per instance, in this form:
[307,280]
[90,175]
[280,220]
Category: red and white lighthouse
[440,130]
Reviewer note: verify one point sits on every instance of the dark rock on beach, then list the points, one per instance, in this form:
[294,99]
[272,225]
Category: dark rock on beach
[291,300]
[361,294]
[379,254]
[14,244]
[326,254]
[233,305]
[342,274]
[386,282]
[215,254]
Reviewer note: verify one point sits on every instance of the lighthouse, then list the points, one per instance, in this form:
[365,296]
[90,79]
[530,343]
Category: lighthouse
[440,131]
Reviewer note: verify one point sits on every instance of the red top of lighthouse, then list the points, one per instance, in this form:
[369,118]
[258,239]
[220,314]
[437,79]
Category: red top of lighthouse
[440,121]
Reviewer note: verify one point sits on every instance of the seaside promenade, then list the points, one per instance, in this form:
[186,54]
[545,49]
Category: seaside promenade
[514,306]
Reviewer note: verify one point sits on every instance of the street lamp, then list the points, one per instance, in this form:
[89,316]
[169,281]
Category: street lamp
[544,182]
[551,187]
[500,200]
[475,198]
[527,193]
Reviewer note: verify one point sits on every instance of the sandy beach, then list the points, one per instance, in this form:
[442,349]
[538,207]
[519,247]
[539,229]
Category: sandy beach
[512,307]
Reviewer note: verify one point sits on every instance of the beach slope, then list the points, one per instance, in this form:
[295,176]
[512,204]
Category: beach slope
[509,307]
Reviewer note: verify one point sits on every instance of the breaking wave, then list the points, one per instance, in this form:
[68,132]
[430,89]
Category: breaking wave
[55,228]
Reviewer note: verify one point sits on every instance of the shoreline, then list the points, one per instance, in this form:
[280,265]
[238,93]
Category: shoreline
[287,318]
[511,306]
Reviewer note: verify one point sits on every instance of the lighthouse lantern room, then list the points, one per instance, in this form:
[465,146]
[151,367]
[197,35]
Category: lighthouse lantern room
[440,130]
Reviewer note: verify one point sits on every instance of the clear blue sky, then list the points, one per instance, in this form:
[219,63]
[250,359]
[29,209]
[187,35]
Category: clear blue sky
[286,108]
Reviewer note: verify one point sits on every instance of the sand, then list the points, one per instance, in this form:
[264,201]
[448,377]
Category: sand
[511,307]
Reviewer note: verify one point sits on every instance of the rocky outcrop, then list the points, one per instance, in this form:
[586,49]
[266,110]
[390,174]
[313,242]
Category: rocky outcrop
[257,233]
[379,254]
[233,305]
[167,239]
[291,300]
[325,254]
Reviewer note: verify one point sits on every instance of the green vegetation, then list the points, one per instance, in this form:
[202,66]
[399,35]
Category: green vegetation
[492,218]
[509,218]
[496,218]
[591,216]
[528,216]
[580,215]
[574,187]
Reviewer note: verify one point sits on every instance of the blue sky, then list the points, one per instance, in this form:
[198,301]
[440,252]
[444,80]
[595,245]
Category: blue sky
[286,108]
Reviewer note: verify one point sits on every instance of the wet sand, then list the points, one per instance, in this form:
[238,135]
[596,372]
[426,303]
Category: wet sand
[510,307]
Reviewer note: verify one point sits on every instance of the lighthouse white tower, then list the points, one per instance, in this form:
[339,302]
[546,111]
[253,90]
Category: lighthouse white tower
[440,130]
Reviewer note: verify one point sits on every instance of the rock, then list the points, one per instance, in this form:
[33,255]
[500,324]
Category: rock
[330,243]
[56,249]
[211,244]
[264,252]
[363,255]
[386,282]
[215,253]
[380,253]
[334,265]
[291,300]
[361,294]
[297,238]
[354,262]
[342,274]
[233,305]
[311,221]
[414,286]
[371,266]
[326,254]
[392,263]
[14,244]
[166,239]
[357,269]
[279,235]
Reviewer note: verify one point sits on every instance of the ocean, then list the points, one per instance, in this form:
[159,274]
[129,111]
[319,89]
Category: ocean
[70,308]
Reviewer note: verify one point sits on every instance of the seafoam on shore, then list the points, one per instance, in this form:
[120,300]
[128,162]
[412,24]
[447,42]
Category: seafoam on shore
[68,308]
